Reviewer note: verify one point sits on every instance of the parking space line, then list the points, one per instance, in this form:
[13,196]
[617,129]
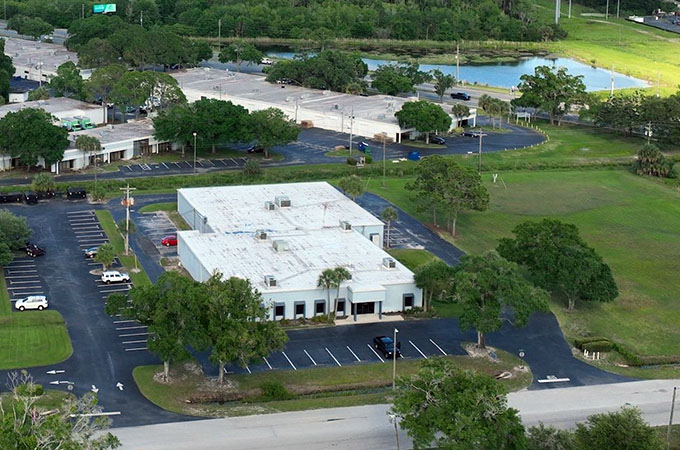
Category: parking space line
[248,369]
[375,353]
[164,165]
[124,321]
[11,277]
[135,349]
[130,328]
[115,290]
[353,354]
[25,282]
[27,266]
[289,361]
[421,353]
[135,342]
[28,293]
[310,358]
[232,160]
[438,347]
[267,362]
[188,164]
[73,213]
[21,271]
[336,361]
[133,334]
[177,164]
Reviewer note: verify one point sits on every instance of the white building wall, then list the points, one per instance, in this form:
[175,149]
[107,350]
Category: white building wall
[190,261]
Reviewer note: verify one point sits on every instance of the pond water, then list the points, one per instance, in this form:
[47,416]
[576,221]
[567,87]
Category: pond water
[506,74]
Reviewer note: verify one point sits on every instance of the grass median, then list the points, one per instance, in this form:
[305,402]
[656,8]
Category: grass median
[319,387]
[30,338]
[136,271]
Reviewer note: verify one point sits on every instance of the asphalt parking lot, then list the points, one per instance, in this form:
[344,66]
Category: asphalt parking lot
[23,278]
[153,227]
[182,166]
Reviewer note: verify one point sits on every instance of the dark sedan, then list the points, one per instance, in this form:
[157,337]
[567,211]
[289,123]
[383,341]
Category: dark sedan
[437,140]
[460,96]
[385,345]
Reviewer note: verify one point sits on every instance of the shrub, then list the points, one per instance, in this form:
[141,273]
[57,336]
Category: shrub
[274,391]
[579,342]
[650,161]
[658,360]
[627,354]
[43,182]
[598,346]
[252,168]
[98,193]
[352,161]
[29,390]
[369,159]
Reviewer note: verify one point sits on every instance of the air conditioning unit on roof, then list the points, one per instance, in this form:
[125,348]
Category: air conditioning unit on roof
[389,263]
[270,281]
[261,235]
[269,206]
[281,246]
[345,226]
[282,201]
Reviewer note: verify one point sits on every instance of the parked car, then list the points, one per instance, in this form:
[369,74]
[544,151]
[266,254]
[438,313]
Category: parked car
[38,302]
[437,140]
[474,134]
[385,345]
[255,148]
[90,252]
[169,241]
[30,197]
[267,62]
[460,96]
[11,197]
[113,276]
[34,251]
[75,193]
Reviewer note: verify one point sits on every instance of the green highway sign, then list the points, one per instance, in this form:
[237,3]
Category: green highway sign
[108,8]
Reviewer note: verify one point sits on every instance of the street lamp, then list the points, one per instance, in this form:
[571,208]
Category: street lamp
[479,168]
[394,360]
[195,134]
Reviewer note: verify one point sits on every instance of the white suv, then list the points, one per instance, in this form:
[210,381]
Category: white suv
[113,276]
[38,302]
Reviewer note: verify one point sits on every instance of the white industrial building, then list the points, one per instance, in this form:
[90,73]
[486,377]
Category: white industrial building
[282,236]
[119,142]
[335,111]
[59,107]
[38,61]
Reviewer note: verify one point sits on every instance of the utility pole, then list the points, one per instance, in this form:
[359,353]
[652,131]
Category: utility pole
[557,11]
[219,36]
[351,130]
[618,8]
[195,134]
[606,12]
[82,11]
[458,64]
[479,165]
[648,132]
[383,181]
[394,360]
[611,77]
[670,421]
[141,19]
[569,9]
[127,202]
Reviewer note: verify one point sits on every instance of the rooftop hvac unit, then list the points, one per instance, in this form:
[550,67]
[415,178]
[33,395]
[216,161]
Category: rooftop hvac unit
[269,206]
[281,246]
[336,106]
[389,263]
[261,235]
[282,201]
[345,226]
[270,281]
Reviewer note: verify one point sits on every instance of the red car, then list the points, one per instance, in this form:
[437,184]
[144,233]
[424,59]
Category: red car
[169,241]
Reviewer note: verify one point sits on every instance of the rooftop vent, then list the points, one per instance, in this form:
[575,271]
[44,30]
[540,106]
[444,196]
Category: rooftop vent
[269,206]
[345,226]
[389,263]
[270,281]
[283,201]
[261,235]
[281,246]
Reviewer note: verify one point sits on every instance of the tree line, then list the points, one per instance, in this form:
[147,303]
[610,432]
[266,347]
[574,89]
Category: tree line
[227,316]
[444,20]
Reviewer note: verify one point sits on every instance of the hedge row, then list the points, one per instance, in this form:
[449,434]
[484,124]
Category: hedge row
[598,346]
[579,342]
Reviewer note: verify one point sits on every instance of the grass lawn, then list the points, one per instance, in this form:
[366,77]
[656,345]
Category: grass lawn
[331,386]
[412,258]
[631,221]
[632,49]
[139,277]
[171,209]
[30,338]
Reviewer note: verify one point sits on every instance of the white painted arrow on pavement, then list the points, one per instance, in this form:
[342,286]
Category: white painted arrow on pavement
[61,382]
[94,389]
[54,372]
[119,385]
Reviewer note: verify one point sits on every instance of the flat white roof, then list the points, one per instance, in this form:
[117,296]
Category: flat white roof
[55,106]
[32,54]
[309,253]
[112,134]
[241,209]
[211,82]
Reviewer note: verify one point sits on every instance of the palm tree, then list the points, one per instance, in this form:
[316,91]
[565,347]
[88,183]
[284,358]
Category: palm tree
[388,215]
[340,274]
[327,281]
[92,146]
[459,110]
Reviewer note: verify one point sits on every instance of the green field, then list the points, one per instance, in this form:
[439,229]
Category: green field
[632,49]
[631,221]
[30,338]
[319,387]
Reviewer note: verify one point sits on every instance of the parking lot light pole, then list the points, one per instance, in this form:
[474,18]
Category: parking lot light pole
[479,168]
[195,134]
[670,421]
[394,360]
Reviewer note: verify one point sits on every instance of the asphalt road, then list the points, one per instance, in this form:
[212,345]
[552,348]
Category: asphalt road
[368,427]
[310,148]
[106,349]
